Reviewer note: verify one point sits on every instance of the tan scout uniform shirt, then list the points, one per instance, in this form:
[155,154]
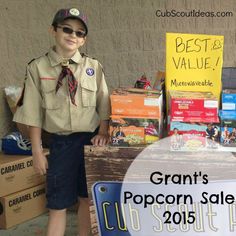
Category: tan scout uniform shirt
[43,107]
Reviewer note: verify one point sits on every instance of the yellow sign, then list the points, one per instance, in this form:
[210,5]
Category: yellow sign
[194,62]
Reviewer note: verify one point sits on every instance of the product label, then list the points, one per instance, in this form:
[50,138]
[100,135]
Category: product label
[151,102]
[210,104]
[228,106]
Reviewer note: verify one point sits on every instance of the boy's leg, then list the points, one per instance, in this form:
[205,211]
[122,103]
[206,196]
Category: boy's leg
[56,222]
[84,223]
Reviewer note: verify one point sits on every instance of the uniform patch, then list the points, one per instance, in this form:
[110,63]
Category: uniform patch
[90,71]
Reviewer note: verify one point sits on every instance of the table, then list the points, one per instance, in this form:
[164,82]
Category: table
[111,163]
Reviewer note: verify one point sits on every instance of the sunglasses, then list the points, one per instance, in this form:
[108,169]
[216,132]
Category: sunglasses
[67,30]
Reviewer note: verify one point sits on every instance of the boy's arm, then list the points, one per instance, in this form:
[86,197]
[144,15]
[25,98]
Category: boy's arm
[103,109]
[102,138]
[40,163]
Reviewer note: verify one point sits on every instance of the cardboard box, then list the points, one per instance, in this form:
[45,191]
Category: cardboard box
[124,136]
[137,103]
[187,136]
[17,173]
[200,128]
[228,128]
[188,142]
[193,107]
[229,99]
[127,131]
[194,141]
[228,77]
[22,206]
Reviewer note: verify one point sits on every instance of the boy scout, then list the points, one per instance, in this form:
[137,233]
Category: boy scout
[66,95]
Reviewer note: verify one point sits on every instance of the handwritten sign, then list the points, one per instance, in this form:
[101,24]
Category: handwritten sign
[194,62]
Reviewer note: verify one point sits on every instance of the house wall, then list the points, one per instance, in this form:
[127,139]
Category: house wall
[126,36]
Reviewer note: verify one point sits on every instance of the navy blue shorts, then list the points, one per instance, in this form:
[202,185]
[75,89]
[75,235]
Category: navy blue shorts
[66,178]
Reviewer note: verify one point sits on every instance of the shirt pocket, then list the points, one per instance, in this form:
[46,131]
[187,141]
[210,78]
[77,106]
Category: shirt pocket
[51,100]
[89,91]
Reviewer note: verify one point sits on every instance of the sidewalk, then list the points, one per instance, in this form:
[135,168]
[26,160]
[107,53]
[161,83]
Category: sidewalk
[37,227]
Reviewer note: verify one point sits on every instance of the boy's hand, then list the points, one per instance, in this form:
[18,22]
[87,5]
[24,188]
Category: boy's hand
[103,137]
[100,139]
[40,163]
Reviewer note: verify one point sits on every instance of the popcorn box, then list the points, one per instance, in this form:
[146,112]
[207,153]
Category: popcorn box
[229,99]
[193,106]
[201,128]
[17,173]
[203,135]
[126,131]
[22,206]
[228,128]
[136,102]
[192,142]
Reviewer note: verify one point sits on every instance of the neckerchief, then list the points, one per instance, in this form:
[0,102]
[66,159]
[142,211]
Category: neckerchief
[72,83]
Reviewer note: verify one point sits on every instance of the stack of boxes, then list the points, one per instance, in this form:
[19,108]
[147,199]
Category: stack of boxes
[228,118]
[228,113]
[22,192]
[193,120]
[136,117]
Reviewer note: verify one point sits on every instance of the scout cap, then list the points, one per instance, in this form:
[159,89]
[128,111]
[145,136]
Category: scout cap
[71,13]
